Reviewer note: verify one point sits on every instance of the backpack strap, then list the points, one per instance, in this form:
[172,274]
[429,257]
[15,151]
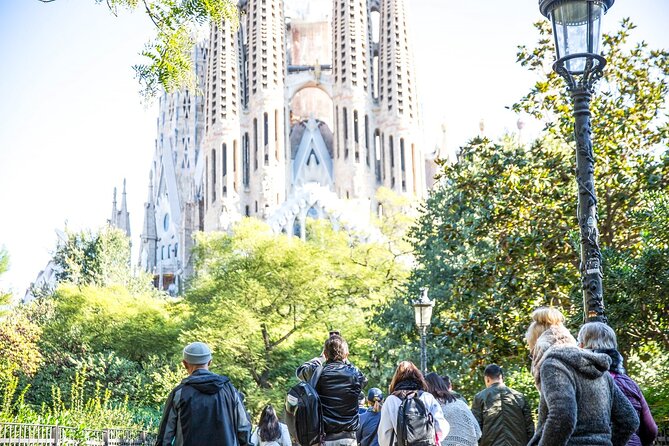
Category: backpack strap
[316,376]
[314,382]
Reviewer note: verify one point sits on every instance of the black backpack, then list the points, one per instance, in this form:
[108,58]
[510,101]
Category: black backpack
[304,415]
[415,424]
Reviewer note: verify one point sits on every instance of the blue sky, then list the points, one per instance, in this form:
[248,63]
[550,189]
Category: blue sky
[72,124]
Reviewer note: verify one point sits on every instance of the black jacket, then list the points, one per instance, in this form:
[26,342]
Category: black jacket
[338,387]
[204,410]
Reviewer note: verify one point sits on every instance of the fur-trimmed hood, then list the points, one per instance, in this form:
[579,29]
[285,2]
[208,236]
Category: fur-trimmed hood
[555,337]
[587,363]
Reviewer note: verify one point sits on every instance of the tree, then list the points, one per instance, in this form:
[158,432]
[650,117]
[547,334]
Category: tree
[498,236]
[637,280]
[4,266]
[266,302]
[99,258]
[169,64]
[112,336]
[630,125]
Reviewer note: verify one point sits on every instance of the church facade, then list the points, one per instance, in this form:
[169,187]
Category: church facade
[307,108]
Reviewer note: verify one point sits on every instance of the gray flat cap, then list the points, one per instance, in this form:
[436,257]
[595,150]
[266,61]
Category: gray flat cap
[197,353]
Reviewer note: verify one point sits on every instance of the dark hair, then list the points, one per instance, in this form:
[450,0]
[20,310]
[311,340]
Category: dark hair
[268,427]
[336,348]
[493,371]
[437,387]
[407,371]
[447,380]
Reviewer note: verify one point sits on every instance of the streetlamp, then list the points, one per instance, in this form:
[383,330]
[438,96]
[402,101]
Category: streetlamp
[423,312]
[577,32]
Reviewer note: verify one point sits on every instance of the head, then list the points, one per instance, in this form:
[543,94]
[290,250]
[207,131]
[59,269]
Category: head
[268,426]
[597,336]
[335,349]
[361,399]
[406,370]
[437,387]
[375,399]
[196,355]
[542,319]
[447,381]
[493,374]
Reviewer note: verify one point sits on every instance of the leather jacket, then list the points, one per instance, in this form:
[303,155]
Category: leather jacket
[339,386]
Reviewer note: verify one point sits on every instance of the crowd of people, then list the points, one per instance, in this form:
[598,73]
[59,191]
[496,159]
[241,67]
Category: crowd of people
[586,398]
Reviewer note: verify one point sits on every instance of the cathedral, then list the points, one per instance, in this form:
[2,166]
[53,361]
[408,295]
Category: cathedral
[304,109]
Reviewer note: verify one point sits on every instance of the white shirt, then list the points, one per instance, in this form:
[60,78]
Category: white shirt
[388,423]
[284,440]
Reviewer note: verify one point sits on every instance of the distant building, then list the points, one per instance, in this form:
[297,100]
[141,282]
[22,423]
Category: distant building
[308,107]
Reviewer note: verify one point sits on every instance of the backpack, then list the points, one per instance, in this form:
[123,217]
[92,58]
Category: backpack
[304,415]
[415,424]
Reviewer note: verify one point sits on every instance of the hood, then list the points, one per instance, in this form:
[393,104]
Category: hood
[587,363]
[555,337]
[206,382]
[616,360]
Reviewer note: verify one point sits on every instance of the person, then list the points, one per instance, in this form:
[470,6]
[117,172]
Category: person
[361,403]
[464,429]
[579,402]
[407,380]
[449,384]
[270,431]
[205,409]
[601,338]
[369,421]
[338,387]
[503,414]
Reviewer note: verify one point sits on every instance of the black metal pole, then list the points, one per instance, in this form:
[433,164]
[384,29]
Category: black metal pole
[591,256]
[423,350]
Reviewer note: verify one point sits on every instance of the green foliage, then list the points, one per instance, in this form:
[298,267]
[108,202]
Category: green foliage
[118,340]
[100,319]
[648,366]
[170,64]
[19,352]
[265,302]
[499,237]
[4,266]
[629,124]
[99,258]
[79,411]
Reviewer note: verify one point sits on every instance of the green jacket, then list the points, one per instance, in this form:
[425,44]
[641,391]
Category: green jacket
[504,415]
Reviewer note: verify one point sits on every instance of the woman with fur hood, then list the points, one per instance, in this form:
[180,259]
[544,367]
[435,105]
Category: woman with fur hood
[601,338]
[580,404]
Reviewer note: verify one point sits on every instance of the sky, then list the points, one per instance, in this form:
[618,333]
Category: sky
[73,125]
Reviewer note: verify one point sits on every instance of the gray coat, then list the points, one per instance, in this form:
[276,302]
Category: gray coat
[580,404]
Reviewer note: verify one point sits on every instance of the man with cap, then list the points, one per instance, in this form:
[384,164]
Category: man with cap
[205,409]
[369,421]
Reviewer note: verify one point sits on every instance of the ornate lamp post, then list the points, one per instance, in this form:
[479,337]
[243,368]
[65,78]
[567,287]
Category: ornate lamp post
[423,312]
[577,32]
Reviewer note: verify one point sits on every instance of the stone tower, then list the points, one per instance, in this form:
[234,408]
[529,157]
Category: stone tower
[309,106]
[175,206]
[401,158]
[352,98]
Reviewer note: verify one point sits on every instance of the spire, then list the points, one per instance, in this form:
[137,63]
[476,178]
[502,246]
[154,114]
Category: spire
[149,237]
[124,215]
[112,220]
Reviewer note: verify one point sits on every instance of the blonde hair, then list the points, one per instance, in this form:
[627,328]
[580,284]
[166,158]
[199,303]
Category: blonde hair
[542,319]
[597,336]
